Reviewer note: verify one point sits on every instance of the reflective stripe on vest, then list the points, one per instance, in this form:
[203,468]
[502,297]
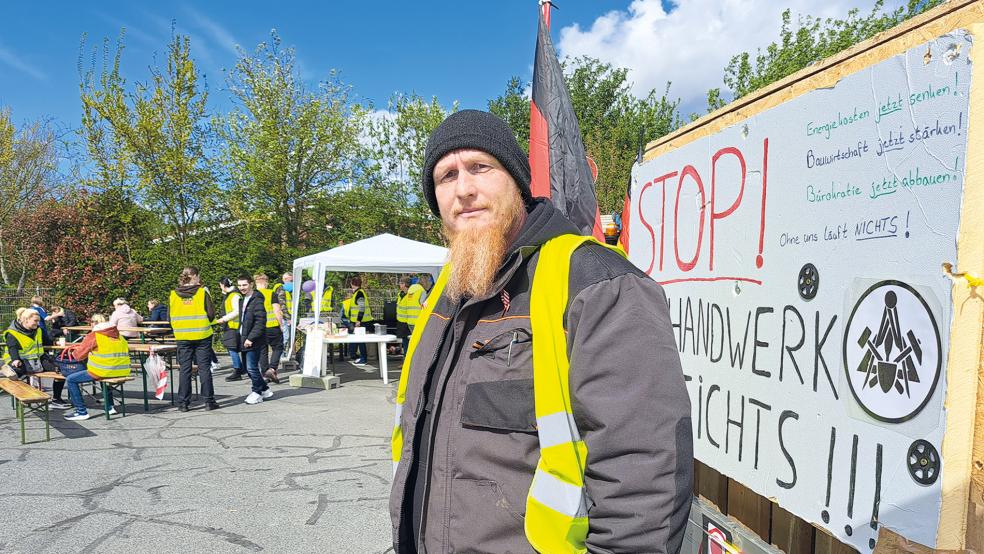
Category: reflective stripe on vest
[188,317]
[556,505]
[231,300]
[268,306]
[111,358]
[408,307]
[31,348]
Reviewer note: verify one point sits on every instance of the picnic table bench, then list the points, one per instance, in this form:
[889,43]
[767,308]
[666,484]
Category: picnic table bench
[107,384]
[140,352]
[25,400]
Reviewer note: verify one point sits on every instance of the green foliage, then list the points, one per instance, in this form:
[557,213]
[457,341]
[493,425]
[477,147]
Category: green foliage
[221,251]
[812,40]
[513,106]
[74,252]
[28,175]
[159,129]
[285,147]
[396,144]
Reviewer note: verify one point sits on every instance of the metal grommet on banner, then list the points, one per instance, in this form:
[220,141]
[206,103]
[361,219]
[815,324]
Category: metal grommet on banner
[808,281]
[923,461]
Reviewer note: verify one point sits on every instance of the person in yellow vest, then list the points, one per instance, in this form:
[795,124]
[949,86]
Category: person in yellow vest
[23,352]
[356,310]
[191,313]
[230,326]
[542,404]
[107,355]
[24,343]
[271,353]
[327,300]
[284,294]
[408,309]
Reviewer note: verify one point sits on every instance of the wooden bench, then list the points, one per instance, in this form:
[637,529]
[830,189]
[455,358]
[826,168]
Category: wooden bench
[27,400]
[112,383]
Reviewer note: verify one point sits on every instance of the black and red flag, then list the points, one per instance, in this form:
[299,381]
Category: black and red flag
[559,166]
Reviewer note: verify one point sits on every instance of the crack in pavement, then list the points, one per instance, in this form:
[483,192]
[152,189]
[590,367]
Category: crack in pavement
[290,480]
[227,536]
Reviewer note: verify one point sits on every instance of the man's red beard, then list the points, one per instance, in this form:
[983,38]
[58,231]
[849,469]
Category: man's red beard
[476,253]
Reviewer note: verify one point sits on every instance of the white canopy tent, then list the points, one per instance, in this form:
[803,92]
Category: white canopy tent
[384,253]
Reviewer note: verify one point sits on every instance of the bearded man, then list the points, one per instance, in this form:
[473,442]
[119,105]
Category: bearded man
[542,405]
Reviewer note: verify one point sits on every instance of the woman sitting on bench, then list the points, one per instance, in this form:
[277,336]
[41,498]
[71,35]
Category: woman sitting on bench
[24,354]
[108,357]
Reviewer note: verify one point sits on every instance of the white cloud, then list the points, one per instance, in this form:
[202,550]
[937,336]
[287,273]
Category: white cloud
[691,44]
[219,34]
[7,57]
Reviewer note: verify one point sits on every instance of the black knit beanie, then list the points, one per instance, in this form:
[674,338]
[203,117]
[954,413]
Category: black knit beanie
[481,131]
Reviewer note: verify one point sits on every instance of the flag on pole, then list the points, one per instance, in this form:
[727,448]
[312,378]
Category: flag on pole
[561,171]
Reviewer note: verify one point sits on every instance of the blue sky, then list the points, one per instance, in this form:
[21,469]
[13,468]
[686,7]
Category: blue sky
[455,50]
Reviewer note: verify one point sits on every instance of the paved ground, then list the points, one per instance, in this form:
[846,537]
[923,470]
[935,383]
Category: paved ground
[307,470]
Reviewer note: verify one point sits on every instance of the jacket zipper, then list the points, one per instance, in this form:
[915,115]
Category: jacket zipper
[438,400]
[417,409]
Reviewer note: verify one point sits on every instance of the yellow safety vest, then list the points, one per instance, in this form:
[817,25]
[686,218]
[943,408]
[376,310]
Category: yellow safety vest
[326,299]
[268,305]
[111,358]
[556,505]
[351,309]
[408,307]
[288,297]
[230,304]
[188,317]
[31,348]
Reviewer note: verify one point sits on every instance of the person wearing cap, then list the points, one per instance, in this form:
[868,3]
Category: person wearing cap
[542,405]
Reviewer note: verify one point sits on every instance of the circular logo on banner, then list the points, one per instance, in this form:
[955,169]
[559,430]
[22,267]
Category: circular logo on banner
[892,352]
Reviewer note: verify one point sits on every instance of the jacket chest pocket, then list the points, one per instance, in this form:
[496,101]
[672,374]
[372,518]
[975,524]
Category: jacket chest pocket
[506,405]
[512,349]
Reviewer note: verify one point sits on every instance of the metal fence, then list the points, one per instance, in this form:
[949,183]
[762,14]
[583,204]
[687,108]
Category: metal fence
[10,300]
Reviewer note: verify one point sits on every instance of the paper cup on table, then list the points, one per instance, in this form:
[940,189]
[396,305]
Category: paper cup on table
[360,330]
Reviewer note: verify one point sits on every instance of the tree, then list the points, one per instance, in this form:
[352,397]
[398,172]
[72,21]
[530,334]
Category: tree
[395,146]
[73,253]
[28,175]
[160,128]
[285,146]
[813,40]
[513,106]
